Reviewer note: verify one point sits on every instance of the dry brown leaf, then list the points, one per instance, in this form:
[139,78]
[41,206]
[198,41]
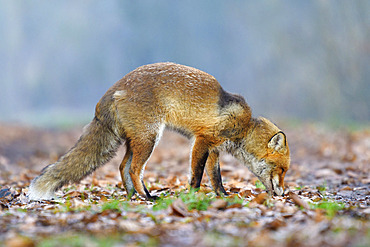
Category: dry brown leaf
[20,241]
[346,188]
[276,223]
[75,193]
[103,198]
[260,198]
[235,190]
[95,181]
[219,204]
[156,186]
[90,219]
[179,208]
[257,191]
[205,189]
[235,205]
[319,215]
[298,201]
[245,193]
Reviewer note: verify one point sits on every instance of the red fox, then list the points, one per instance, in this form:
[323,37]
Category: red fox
[137,109]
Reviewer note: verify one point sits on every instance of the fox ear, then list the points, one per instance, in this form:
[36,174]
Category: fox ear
[278,142]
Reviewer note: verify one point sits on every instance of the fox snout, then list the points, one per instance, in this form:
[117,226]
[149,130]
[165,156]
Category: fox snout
[274,184]
[277,185]
[271,179]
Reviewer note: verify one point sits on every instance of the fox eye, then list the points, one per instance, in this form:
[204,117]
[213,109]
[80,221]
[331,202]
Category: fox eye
[282,170]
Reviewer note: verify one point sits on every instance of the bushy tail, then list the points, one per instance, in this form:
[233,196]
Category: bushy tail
[96,146]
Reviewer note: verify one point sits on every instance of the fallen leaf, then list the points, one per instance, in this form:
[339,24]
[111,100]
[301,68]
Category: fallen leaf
[235,205]
[235,190]
[276,223]
[19,241]
[75,193]
[205,189]
[346,188]
[90,219]
[260,198]
[319,215]
[219,204]
[298,201]
[179,208]
[245,193]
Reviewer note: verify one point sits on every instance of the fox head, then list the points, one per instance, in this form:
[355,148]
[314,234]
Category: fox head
[266,153]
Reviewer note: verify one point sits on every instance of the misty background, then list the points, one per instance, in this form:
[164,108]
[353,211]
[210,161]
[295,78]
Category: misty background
[304,60]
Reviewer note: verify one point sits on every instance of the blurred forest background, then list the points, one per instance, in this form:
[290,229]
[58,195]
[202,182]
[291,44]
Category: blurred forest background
[305,60]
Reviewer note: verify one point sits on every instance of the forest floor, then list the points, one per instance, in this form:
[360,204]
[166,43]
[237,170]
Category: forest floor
[327,203]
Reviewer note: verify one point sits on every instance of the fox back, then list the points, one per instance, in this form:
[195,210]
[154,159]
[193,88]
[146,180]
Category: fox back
[176,96]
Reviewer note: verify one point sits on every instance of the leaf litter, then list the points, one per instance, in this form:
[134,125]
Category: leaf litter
[326,201]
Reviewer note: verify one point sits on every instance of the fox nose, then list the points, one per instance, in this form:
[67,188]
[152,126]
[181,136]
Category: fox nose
[278,191]
[277,187]
[275,194]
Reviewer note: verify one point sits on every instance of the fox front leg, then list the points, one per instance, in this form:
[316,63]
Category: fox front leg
[199,156]
[214,173]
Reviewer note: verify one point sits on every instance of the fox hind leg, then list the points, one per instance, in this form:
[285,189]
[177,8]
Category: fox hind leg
[141,153]
[124,169]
